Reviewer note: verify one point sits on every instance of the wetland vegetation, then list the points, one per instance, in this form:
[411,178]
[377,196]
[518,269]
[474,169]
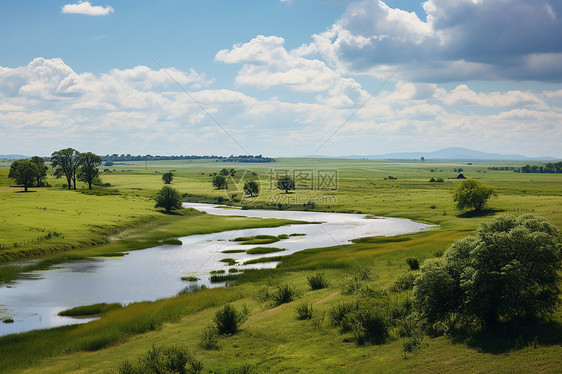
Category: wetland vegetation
[345,308]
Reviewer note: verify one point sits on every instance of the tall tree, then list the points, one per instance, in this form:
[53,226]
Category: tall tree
[24,172]
[66,161]
[219,181]
[251,188]
[88,170]
[41,169]
[286,184]
[508,270]
[472,194]
[168,198]
[168,177]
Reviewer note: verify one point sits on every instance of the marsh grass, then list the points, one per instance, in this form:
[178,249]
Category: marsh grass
[229,261]
[189,278]
[89,310]
[263,250]
[172,242]
[219,278]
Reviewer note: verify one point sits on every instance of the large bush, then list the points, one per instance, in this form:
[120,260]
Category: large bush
[507,270]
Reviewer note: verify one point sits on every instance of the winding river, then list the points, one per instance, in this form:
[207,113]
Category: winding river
[34,301]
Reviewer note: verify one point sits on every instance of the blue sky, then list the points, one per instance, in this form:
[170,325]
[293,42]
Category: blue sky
[281,76]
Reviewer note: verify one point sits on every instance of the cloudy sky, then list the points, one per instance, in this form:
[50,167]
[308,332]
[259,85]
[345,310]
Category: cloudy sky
[281,78]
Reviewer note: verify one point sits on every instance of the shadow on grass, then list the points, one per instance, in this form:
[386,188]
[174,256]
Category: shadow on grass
[479,213]
[28,191]
[508,337]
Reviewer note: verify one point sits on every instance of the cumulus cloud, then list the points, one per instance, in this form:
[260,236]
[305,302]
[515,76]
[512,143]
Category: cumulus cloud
[459,40]
[86,8]
[47,104]
[266,63]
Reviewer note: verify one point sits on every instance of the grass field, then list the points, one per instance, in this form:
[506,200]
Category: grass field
[272,339]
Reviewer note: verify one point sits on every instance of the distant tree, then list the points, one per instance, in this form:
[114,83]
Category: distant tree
[224,172]
[24,172]
[168,177]
[168,198]
[66,162]
[219,182]
[286,184]
[251,188]
[472,194]
[88,169]
[508,270]
[41,169]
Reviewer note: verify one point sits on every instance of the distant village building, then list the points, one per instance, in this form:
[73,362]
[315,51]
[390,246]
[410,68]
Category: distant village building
[460,176]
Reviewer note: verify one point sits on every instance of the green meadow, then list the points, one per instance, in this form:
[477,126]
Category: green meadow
[122,217]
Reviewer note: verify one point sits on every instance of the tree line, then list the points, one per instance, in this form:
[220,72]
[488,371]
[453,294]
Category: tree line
[68,162]
[240,158]
[551,167]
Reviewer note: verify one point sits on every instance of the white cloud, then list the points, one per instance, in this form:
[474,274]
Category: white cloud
[266,63]
[46,105]
[86,8]
[460,40]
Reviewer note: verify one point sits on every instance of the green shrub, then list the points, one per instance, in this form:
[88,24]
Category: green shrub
[283,294]
[339,315]
[282,236]
[158,360]
[228,319]
[369,325]
[233,270]
[404,282]
[209,338]
[410,345]
[317,281]
[304,311]
[413,263]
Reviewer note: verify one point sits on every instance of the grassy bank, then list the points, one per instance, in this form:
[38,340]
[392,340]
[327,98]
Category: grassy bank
[273,339]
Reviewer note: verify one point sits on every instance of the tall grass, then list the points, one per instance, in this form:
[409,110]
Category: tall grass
[115,326]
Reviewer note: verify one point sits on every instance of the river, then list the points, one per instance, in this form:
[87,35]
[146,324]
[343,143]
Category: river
[34,301]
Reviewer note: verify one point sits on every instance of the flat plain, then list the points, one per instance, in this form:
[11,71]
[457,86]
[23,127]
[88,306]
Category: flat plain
[55,225]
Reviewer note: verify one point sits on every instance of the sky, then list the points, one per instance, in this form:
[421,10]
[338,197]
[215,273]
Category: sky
[280,77]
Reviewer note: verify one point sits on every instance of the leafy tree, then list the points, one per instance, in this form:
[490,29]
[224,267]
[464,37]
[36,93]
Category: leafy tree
[286,184]
[219,182]
[168,198]
[472,194]
[41,169]
[252,188]
[88,170]
[23,172]
[507,270]
[168,177]
[66,161]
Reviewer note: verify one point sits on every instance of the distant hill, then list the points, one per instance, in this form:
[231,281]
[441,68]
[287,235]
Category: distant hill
[13,157]
[453,153]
